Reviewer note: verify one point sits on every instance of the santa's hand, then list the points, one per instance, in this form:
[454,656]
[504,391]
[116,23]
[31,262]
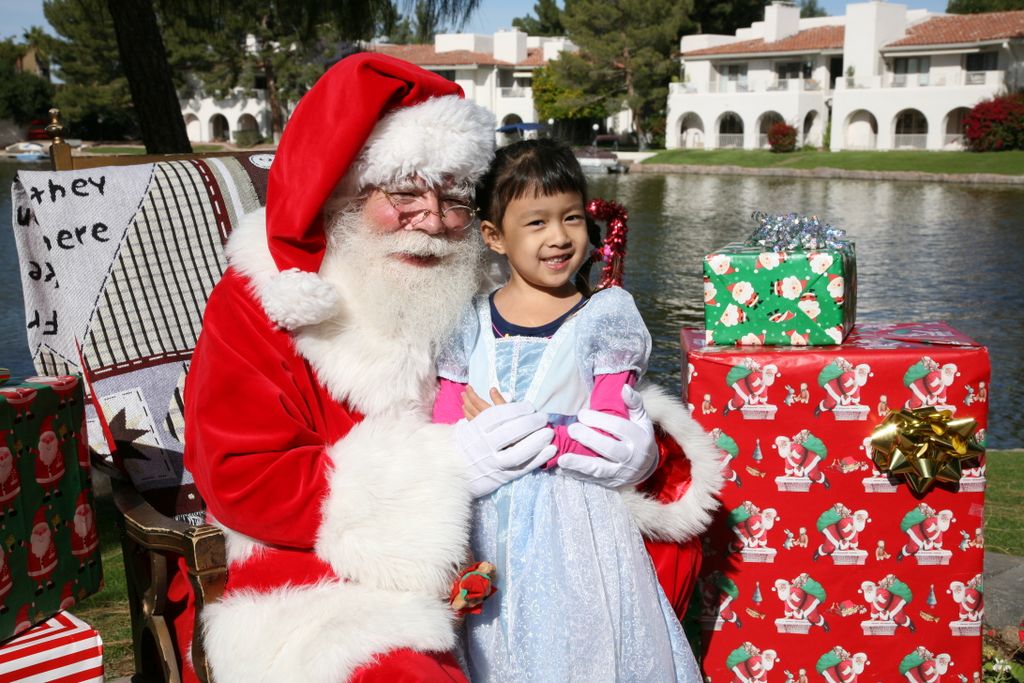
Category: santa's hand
[628,448]
[503,443]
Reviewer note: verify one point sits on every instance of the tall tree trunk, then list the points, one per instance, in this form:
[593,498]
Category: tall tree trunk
[276,115]
[145,65]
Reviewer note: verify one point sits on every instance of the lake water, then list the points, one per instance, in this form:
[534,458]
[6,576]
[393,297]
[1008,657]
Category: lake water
[924,252]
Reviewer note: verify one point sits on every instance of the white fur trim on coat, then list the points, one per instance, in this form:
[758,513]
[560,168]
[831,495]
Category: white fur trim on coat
[291,299]
[689,516]
[397,513]
[441,139]
[318,634]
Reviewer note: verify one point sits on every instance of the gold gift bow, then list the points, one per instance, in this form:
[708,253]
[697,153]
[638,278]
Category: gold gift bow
[925,446]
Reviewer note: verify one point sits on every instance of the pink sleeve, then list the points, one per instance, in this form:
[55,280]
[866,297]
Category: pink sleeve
[448,404]
[606,398]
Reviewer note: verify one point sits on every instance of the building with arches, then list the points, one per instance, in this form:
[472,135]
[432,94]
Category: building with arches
[879,77]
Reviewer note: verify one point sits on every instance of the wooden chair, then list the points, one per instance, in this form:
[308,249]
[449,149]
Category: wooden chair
[153,542]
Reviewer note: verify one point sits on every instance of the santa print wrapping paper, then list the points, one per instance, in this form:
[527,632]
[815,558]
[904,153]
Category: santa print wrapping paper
[62,649]
[818,567]
[49,547]
[800,297]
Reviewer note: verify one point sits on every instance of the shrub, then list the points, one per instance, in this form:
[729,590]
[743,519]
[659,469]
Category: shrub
[996,124]
[782,137]
[247,138]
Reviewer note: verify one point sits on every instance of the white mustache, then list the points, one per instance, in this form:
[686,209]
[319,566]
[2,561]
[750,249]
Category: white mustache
[418,243]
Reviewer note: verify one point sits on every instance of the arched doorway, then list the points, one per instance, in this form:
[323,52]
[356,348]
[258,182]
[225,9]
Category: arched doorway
[861,130]
[810,133]
[248,122]
[730,130]
[509,132]
[767,120]
[954,138]
[911,130]
[691,132]
[192,128]
[219,130]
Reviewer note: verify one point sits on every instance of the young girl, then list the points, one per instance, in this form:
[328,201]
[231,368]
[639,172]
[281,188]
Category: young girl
[578,599]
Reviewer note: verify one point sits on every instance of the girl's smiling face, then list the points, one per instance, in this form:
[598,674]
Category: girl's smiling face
[544,238]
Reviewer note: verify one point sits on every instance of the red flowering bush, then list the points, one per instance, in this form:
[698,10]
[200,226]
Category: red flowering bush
[782,137]
[996,124]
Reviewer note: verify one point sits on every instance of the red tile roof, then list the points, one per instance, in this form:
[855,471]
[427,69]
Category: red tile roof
[426,55]
[954,29]
[808,40]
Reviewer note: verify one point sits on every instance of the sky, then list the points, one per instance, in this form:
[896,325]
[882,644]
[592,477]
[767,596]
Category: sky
[490,16]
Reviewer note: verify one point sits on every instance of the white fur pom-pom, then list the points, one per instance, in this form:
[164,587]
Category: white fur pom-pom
[296,298]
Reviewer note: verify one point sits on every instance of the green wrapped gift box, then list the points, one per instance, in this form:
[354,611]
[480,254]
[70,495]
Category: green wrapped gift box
[796,297]
[49,546]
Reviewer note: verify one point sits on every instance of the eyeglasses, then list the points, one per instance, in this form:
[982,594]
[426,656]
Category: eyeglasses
[414,207]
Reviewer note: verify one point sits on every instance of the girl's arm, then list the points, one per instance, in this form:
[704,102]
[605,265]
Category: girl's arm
[448,403]
[606,398]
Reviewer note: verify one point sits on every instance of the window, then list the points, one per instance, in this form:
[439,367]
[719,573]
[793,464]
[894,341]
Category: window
[982,61]
[907,68]
[733,72]
[794,69]
[447,74]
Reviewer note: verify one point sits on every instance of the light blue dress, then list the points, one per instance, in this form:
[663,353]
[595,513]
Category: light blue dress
[578,598]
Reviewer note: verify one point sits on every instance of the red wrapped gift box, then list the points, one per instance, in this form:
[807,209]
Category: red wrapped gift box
[818,566]
[62,649]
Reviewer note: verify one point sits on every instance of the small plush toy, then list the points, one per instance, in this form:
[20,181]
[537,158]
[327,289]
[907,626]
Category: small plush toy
[472,587]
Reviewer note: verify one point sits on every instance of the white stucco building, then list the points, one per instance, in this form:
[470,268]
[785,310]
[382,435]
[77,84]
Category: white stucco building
[885,76]
[495,71]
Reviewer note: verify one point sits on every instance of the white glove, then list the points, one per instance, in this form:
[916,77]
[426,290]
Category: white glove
[503,443]
[628,456]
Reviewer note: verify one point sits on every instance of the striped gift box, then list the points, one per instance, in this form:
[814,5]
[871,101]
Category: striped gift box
[62,649]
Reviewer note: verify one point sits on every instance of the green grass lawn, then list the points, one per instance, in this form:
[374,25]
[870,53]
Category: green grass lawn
[1004,502]
[107,611]
[1005,163]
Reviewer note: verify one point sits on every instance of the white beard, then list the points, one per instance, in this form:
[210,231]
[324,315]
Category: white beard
[40,543]
[378,353]
[395,299]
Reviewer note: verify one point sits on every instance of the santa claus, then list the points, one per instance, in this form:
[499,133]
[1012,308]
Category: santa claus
[6,582]
[49,460]
[42,553]
[10,482]
[308,401]
[84,540]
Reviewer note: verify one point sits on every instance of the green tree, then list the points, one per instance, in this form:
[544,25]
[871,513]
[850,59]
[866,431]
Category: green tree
[548,21]
[626,58]
[295,23]
[23,96]
[811,8]
[94,98]
[713,16]
[979,6]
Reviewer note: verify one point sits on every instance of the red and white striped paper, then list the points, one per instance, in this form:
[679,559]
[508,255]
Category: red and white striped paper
[62,649]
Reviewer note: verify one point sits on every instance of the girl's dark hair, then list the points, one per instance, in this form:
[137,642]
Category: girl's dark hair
[534,168]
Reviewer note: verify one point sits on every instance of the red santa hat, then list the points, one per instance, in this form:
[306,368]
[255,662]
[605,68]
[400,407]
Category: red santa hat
[370,120]
[40,519]
[46,425]
[82,499]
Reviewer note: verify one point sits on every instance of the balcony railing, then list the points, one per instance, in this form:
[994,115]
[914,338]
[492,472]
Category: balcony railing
[762,140]
[730,139]
[516,91]
[953,141]
[911,140]
[754,85]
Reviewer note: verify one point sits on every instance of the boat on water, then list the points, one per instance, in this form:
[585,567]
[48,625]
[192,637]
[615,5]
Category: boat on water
[27,152]
[593,160]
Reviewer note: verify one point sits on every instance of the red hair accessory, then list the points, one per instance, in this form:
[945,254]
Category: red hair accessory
[613,250]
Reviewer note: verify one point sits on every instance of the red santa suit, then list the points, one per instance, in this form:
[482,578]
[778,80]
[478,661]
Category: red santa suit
[346,512]
[42,553]
[84,539]
[6,582]
[49,459]
[10,482]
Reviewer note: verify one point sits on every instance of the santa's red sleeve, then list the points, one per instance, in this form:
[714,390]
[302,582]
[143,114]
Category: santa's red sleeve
[254,432]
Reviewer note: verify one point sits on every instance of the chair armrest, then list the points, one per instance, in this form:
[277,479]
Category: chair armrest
[201,546]
[148,537]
